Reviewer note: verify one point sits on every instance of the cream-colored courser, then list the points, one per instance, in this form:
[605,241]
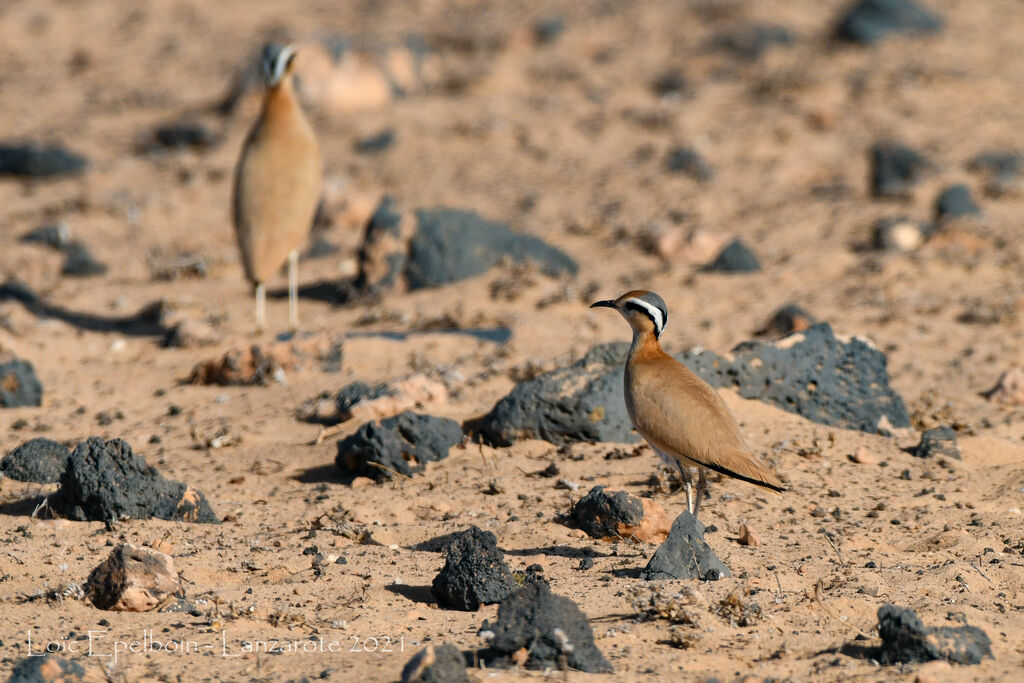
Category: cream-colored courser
[277,184]
[681,416]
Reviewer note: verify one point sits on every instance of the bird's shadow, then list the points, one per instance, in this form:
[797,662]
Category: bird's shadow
[325,474]
[144,323]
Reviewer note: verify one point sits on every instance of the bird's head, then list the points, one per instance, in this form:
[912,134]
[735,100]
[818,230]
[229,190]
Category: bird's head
[276,63]
[644,311]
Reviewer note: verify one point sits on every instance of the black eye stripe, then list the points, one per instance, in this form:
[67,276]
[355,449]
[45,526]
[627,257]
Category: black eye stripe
[658,325]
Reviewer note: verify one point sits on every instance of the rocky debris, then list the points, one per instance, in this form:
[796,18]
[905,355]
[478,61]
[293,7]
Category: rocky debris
[842,383]
[736,257]
[105,481]
[687,160]
[619,515]
[898,234]
[133,579]
[436,664]
[263,364]
[581,402]
[1008,390]
[48,668]
[189,333]
[403,444]
[363,402]
[748,536]
[868,21]
[474,573]
[749,41]
[954,202]
[672,83]
[79,262]
[1002,171]
[56,236]
[939,441]
[788,320]
[895,169]
[685,554]
[168,267]
[906,639]
[39,460]
[546,30]
[19,385]
[540,630]
[378,142]
[181,135]
[383,253]
[32,160]
[357,393]
[864,456]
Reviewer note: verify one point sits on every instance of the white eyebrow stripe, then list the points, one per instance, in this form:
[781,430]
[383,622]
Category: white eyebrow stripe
[653,311]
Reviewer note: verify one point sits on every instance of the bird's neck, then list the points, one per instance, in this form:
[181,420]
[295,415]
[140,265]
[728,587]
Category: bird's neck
[645,344]
[279,102]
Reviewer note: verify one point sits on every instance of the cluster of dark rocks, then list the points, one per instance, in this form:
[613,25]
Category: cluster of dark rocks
[78,259]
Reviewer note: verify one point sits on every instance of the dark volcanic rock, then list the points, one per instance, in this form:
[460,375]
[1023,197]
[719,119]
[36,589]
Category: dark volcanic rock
[689,161]
[19,385]
[1002,170]
[955,201]
[750,41]
[685,554]
[581,402]
[357,392]
[451,245]
[403,443]
[378,142]
[46,669]
[37,161]
[80,262]
[383,253]
[546,30]
[787,320]
[474,572]
[839,383]
[895,169]
[940,441]
[906,639]
[183,134]
[436,664]
[54,236]
[672,83]
[39,460]
[736,257]
[551,628]
[105,481]
[600,514]
[868,21]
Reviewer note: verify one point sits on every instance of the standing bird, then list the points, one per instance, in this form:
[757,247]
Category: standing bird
[679,414]
[277,184]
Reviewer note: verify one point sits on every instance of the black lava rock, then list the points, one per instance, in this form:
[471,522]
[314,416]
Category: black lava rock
[749,41]
[736,257]
[906,639]
[39,460]
[53,236]
[105,481]
[451,245]
[832,382]
[685,554]
[550,627]
[581,402]
[378,142]
[357,392]
[868,21]
[38,161]
[436,664]
[672,83]
[546,30]
[183,134]
[787,320]
[895,168]
[955,201]
[403,443]
[940,441]
[81,263]
[600,515]
[46,669]
[689,161]
[19,385]
[1003,170]
[474,572]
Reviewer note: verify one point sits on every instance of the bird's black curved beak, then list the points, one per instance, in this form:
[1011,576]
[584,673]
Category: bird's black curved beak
[603,304]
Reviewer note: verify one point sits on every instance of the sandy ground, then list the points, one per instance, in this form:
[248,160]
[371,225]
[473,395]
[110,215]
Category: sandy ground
[566,141]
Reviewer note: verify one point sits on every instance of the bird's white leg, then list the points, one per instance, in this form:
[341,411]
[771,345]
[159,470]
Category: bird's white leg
[261,305]
[293,290]
[702,487]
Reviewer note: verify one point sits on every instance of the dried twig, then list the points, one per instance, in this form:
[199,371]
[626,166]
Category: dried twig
[828,611]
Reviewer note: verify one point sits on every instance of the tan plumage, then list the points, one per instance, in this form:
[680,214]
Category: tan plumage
[277,183]
[679,414]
